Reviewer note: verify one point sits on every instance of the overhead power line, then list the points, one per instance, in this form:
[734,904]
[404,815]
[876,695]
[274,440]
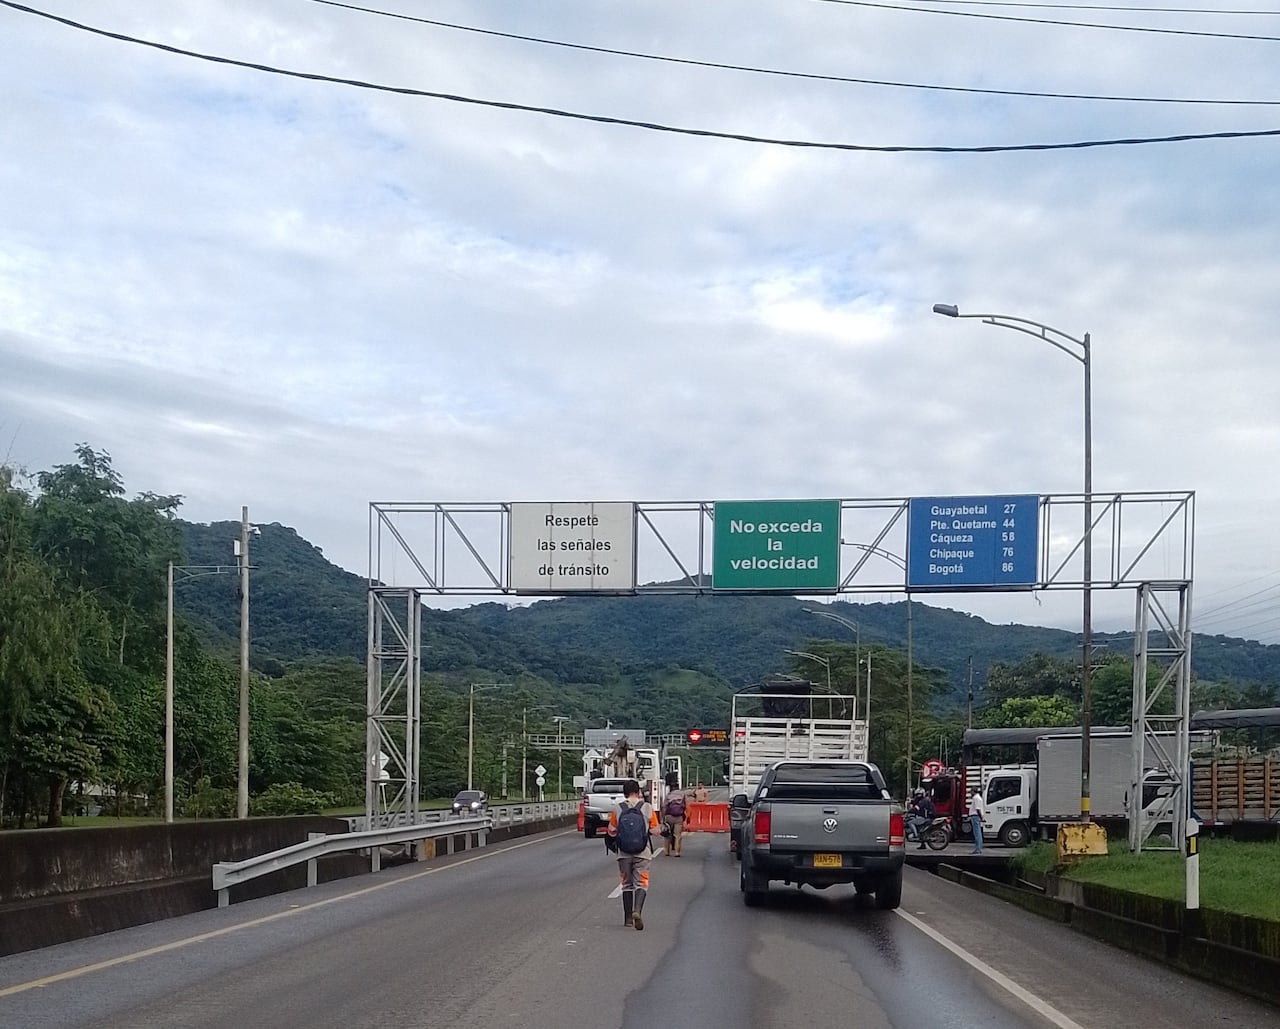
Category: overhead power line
[1053,21]
[634,123]
[1126,8]
[755,70]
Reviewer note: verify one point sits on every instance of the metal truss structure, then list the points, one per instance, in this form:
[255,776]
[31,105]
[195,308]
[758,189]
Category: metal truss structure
[394,698]
[1142,541]
[1161,644]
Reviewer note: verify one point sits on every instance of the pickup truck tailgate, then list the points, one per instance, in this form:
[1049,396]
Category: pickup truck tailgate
[830,825]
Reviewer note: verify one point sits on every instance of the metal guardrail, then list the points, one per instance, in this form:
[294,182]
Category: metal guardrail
[501,815]
[430,825]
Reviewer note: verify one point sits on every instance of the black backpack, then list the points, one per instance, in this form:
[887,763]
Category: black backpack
[633,829]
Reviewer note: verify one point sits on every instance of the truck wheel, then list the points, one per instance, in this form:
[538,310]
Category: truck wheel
[861,887]
[1015,834]
[889,892]
[589,831]
[753,888]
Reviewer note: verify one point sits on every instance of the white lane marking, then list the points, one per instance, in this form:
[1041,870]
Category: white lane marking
[1041,1007]
[617,890]
[97,966]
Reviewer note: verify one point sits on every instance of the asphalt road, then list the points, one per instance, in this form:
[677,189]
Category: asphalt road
[525,934]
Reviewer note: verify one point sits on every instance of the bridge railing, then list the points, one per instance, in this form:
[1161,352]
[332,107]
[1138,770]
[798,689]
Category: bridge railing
[430,825]
[501,815]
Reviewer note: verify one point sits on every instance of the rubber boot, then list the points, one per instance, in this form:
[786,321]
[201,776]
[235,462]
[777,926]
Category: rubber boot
[636,920]
[628,899]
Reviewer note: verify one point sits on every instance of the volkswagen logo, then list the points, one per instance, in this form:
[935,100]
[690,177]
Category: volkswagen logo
[829,825]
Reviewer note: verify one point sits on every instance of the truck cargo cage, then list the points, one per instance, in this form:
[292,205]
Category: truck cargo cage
[790,720]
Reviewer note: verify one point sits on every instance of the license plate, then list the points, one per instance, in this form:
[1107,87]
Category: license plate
[826,860]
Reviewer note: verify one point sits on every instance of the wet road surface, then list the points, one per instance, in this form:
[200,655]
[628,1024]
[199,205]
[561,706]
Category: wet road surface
[524,934]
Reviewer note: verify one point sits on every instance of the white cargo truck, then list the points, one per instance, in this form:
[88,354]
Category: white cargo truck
[1025,800]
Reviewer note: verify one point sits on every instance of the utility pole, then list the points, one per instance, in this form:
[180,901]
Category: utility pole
[524,753]
[560,720]
[242,785]
[867,707]
[970,725]
[911,765]
[168,700]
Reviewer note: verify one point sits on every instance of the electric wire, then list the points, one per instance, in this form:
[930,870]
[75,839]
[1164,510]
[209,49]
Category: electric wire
[1228,589]
[1235,604]
[784,73]
[505,105]
[1055,21]
[1126,8]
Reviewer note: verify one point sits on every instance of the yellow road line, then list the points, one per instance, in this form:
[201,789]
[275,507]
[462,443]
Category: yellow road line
[98,966]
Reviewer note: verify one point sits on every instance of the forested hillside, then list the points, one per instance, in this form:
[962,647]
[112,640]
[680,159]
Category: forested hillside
[82,661]
[304,606]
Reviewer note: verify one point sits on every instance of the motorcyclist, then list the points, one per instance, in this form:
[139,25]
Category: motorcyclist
[919,814]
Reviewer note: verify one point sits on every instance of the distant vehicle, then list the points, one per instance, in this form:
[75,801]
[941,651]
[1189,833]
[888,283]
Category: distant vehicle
[1034,795]
[601,799]
[470,802]
[820,824]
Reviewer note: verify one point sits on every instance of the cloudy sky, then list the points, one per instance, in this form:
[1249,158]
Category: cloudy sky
[302,296]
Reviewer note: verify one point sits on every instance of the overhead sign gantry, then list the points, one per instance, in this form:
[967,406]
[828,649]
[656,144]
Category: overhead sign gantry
[948,544]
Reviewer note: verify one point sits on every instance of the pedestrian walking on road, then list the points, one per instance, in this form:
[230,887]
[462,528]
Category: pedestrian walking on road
[977,811]
[631,831]
[673,817]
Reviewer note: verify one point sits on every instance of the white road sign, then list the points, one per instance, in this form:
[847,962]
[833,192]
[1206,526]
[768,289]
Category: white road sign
[540,771]
[572,548]
[540,781]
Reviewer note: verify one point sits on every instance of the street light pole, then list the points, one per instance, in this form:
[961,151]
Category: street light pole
[242,781]
[825,662]
[856,629]
[1077,350]
[560,720]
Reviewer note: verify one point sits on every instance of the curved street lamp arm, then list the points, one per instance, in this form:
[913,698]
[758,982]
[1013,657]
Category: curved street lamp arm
[888,555]
[1054,337]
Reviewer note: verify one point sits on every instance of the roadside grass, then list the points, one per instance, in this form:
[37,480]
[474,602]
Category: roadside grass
[1040,856]
[1240,877]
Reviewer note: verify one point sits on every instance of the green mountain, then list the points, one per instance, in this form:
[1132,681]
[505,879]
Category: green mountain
[305,607]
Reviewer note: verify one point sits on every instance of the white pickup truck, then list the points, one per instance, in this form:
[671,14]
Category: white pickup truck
[601,799]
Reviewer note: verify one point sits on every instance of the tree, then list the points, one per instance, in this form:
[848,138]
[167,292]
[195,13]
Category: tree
[1030,713]
[114,549]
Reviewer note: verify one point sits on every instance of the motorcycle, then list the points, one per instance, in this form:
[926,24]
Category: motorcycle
[934,833]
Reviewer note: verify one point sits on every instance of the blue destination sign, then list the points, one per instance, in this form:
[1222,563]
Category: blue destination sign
[972,542]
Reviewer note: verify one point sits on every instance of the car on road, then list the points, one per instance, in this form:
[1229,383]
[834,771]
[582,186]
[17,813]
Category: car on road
[470,802]
[602,798]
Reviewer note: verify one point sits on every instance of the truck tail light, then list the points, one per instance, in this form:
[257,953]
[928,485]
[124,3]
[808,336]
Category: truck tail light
[760,827]
[897,831]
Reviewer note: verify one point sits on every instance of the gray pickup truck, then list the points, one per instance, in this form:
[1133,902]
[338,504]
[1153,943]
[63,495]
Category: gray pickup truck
[822,823]
[603,797]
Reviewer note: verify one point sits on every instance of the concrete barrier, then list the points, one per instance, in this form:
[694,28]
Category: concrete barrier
[81,897]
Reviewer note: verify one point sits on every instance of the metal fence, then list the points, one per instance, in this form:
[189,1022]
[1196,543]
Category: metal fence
[429,825]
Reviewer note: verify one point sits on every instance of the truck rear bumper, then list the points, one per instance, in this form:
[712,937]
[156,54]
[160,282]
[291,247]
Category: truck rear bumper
[798,867]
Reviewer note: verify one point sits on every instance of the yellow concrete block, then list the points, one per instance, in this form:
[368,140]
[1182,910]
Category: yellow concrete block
[1081,839]
[426,850]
